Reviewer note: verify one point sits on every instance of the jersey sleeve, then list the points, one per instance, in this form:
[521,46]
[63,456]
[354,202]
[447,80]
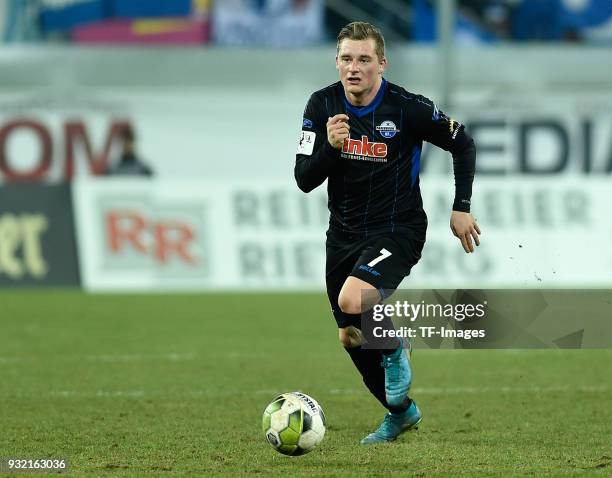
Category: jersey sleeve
[315,156]
[436,128]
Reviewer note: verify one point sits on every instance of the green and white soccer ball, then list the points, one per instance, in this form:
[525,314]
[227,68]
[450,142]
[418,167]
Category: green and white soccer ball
[294,423]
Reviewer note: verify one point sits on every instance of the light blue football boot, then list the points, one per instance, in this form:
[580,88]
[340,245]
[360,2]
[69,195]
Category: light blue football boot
[394,425]
[398,376]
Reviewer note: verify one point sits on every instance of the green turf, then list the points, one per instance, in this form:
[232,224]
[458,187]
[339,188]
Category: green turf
[176,385]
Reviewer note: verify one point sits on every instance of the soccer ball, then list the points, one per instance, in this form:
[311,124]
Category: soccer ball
[293,423]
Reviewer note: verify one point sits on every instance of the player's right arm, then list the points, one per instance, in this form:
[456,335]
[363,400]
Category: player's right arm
[319,147]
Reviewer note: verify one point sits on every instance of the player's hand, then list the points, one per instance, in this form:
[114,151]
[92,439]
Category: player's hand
[337,130]
[465,228]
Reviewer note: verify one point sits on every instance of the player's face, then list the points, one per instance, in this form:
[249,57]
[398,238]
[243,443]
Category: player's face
[359,66]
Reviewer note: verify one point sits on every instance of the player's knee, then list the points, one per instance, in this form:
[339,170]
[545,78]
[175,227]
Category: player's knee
[349,304]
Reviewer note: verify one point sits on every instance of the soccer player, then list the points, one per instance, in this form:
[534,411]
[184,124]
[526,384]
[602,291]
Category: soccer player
[364,135]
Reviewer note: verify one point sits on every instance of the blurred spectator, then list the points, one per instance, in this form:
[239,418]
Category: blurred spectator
[485,21]
[4,21]
[19,20]
[538,20]
[392,17]
[129,164]
[589,20]
[494,16]
[546,20]
[281,23]
[296,23]
[468,29]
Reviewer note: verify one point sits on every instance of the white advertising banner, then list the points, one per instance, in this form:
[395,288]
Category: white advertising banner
[150,235]
[56,135]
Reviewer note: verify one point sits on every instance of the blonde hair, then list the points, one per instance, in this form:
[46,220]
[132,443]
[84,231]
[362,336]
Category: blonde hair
[362,31]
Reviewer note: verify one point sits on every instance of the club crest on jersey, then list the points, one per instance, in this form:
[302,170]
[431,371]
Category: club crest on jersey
[387,129]
[364,149]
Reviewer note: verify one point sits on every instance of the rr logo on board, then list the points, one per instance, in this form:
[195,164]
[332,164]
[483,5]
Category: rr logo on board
[164,240]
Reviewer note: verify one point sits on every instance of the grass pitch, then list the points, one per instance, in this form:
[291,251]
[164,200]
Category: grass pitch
[175,385]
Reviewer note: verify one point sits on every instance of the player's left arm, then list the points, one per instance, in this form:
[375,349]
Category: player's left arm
[439,129]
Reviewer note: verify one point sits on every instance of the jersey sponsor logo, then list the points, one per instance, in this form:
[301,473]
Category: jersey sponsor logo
[363,147]
[306,144]
[387,129]
[306,123]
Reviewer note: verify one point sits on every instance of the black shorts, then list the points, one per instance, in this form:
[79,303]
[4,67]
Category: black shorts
[381,260]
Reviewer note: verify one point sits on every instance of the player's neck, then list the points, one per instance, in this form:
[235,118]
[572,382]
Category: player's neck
[367,97]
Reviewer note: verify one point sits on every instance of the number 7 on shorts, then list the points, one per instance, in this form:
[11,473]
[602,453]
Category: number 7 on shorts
[384,253]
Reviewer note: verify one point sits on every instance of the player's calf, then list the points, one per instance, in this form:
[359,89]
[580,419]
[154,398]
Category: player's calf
[398,376]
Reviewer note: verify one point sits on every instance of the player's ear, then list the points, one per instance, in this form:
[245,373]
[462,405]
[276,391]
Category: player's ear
[337,65]
[382,65]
